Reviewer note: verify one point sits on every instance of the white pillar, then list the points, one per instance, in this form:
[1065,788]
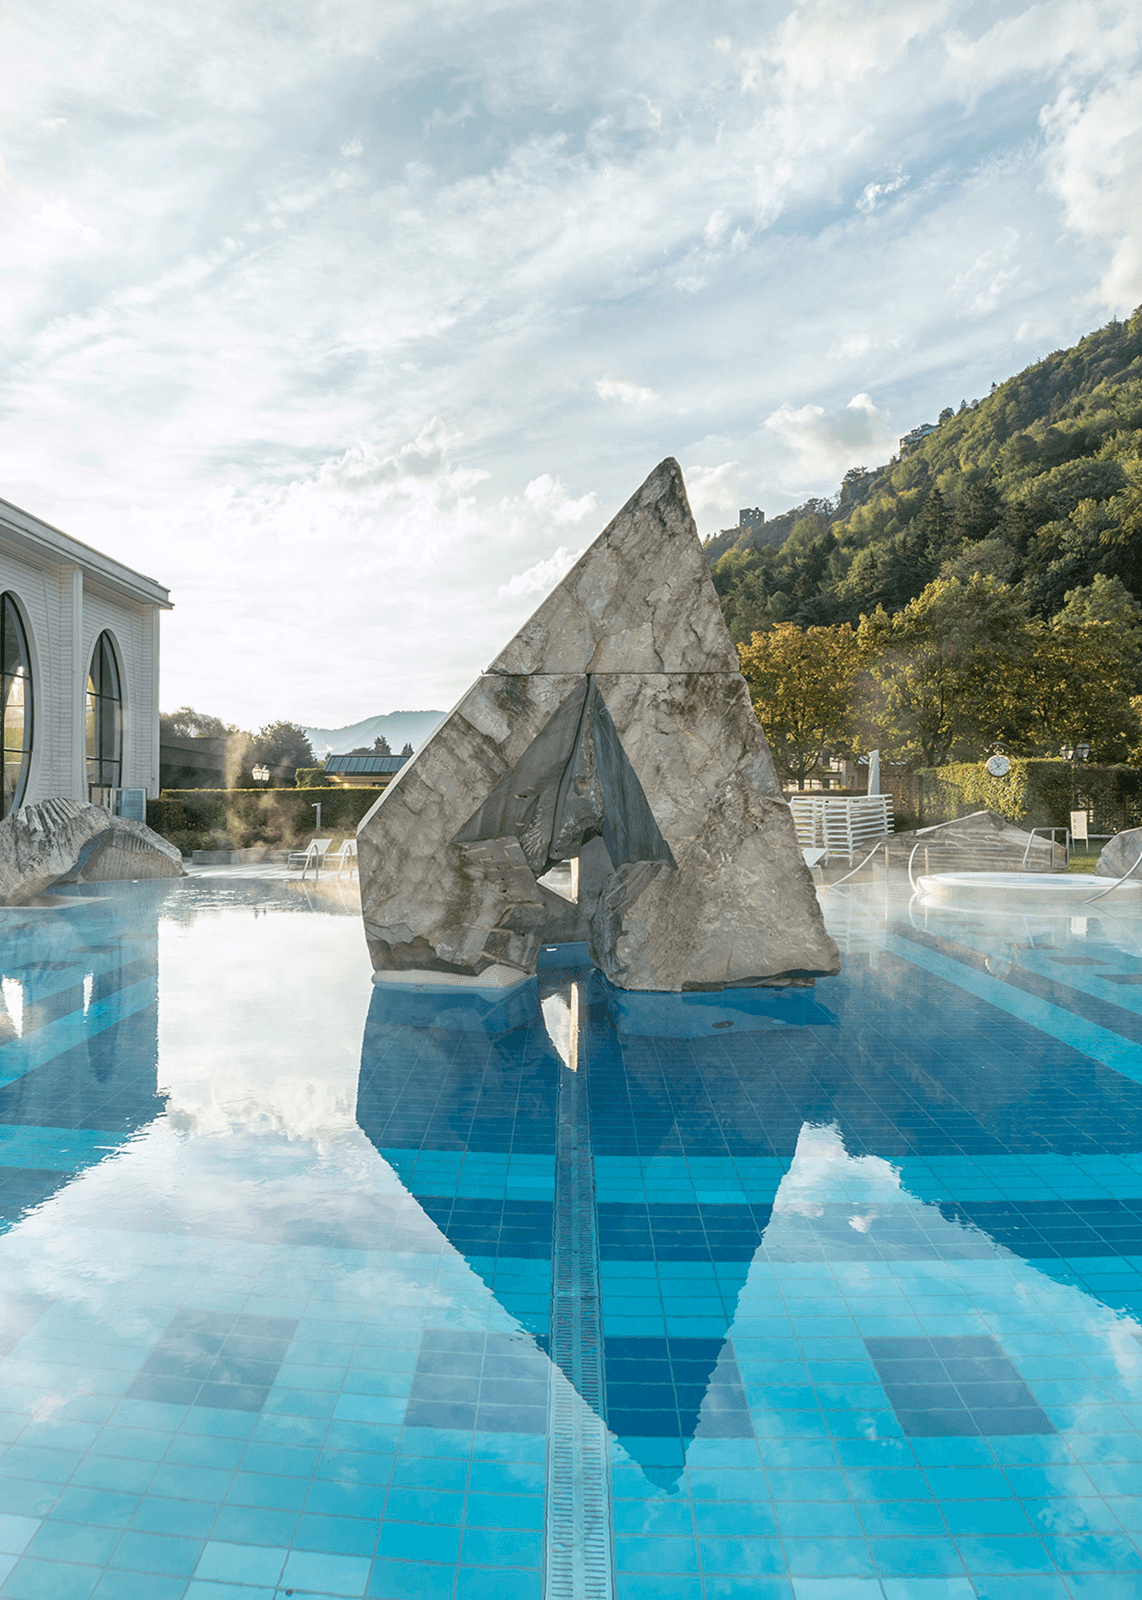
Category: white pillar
[76,686]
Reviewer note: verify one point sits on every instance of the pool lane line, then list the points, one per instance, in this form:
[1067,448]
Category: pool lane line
[1084,1003]
[1089,1038]
[578,1559]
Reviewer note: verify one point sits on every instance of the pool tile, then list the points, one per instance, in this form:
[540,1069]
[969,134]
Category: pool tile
[328,1574]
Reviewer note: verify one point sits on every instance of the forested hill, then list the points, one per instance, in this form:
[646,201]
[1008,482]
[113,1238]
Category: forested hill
[1039,484]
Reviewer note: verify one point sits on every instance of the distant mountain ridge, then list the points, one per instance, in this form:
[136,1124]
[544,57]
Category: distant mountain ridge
[398,727]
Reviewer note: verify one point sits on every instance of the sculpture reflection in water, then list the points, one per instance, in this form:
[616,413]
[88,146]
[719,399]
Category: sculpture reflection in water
[727,1134]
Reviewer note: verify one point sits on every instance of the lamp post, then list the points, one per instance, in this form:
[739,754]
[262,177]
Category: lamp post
[260,774]
[316,804]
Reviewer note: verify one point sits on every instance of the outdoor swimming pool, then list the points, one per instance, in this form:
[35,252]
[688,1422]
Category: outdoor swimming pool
[310,1287]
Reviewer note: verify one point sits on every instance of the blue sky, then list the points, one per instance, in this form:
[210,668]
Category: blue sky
[353,322]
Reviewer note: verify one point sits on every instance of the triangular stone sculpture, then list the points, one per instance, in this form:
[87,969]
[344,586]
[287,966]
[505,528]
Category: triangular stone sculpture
[615,731]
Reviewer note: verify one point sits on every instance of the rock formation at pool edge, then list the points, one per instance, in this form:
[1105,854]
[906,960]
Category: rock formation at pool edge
[614,730]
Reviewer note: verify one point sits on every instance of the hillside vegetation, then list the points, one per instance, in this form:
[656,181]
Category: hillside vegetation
[1038,486]
[982,593]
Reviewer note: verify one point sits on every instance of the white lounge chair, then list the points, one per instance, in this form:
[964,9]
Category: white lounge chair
[312,856]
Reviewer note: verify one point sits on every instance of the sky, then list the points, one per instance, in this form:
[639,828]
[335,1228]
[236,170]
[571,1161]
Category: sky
[354,321]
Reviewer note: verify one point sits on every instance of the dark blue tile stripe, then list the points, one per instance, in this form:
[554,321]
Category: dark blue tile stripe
[1091,1008]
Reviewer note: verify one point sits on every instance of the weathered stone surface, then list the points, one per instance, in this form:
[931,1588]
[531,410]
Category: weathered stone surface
[1120,855]
[657,780]
[639,600]
[984,841]
[63,841]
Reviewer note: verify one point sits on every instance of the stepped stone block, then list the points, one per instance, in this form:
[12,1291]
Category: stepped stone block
[615,730]
[64,841]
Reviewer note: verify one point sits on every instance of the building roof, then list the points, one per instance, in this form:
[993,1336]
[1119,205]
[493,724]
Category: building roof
[373,765]
[25,533]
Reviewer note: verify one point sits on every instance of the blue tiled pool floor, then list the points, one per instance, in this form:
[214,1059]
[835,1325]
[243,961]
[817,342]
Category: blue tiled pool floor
[276,1268]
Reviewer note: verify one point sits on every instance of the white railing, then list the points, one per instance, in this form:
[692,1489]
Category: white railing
[840,825]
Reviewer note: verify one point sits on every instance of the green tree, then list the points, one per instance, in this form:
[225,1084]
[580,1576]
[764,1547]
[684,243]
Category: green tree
[280,746]
[1081,674]
[945,672]
[186,723]
[801,683]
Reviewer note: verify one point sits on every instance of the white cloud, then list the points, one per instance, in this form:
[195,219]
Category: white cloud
[631,394]
[873,193]
[1095,166]
[825,442]
[248,255]
[542,577]
[988,279]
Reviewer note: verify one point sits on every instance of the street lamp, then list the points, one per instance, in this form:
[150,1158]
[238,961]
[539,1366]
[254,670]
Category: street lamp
[260,774]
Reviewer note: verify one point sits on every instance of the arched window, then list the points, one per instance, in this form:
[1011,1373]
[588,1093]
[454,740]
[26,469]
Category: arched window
[16,690]
[104,718]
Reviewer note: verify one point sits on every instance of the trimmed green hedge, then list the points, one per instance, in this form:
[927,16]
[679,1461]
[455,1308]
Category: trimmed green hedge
[238,819]
[1036,793]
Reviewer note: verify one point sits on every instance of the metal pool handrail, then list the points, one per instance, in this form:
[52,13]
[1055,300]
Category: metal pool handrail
[857,868]
[1120,881]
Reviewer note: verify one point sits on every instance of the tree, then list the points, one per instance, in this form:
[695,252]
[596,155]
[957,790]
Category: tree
[280,746]
[381,746]
[186,723]
[946,671]
[406,749]
[1082,672]
[801,683]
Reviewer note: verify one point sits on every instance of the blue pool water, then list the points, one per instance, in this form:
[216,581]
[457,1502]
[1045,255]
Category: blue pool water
[313,1287]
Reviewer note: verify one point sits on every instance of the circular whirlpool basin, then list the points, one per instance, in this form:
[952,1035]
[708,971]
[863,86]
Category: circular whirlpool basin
[1008,891]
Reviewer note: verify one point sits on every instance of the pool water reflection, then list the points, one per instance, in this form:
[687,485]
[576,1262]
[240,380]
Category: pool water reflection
[860,1264]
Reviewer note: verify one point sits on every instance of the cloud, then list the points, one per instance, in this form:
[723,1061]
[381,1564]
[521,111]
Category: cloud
[543,576]
[630,394]
[825,442]
[990,277]
[248,259]
[402,570]
[1094,165]
[873,193]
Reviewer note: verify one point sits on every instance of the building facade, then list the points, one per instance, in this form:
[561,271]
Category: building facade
[372,771]
[79,668]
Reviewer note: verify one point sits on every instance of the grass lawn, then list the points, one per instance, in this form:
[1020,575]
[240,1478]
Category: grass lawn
[1083,863]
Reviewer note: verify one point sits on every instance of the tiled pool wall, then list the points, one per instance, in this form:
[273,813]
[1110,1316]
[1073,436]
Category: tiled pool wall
[867,1262]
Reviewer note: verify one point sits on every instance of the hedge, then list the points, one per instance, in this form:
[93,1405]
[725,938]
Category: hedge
[1036,793]
[237,819]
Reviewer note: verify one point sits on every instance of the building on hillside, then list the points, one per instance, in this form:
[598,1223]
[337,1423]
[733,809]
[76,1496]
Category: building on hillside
[370,771]
[751,517]
[915,437]
[79,670]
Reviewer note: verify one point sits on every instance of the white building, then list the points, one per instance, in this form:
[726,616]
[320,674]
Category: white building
[79,668]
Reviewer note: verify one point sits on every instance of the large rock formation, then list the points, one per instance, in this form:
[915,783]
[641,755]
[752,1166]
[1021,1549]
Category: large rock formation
[614,730]
[983,841]
[1122,855]
[64,841]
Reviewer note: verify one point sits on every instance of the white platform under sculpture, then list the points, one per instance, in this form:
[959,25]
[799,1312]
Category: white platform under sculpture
[615,729]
